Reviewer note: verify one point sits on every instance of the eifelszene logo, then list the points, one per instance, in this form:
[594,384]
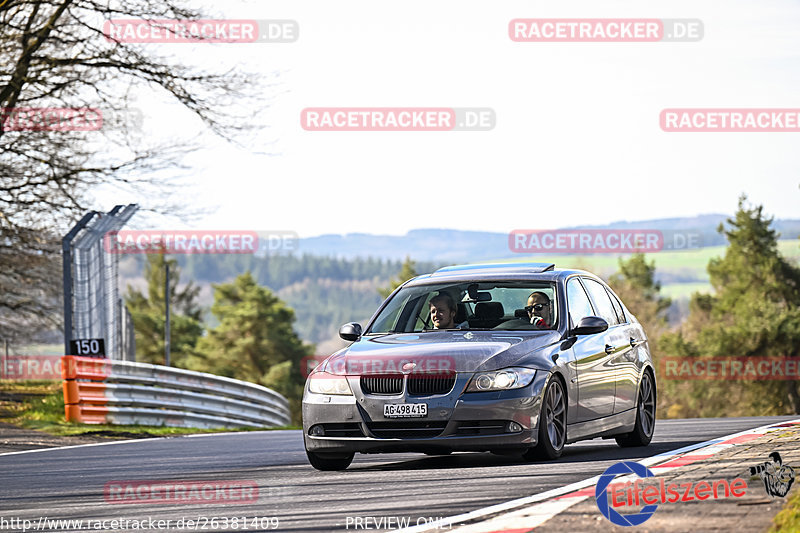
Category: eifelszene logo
[637,493]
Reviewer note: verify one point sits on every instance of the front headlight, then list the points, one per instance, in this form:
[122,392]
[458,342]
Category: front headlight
[508,378]
[324,383]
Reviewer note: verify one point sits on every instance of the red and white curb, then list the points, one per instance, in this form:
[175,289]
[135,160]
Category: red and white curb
[524,514]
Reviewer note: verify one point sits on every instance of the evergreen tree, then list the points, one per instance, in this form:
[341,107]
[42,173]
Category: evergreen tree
[636,285]
[407,271]
[149,314]
[254,340]
[754,312]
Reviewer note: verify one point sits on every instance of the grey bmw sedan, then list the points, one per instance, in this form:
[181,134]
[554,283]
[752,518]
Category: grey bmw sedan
[518,358]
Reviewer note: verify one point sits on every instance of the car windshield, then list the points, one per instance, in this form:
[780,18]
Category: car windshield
[506,305]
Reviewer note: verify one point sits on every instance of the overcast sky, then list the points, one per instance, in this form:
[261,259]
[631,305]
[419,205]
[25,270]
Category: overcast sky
[577,137]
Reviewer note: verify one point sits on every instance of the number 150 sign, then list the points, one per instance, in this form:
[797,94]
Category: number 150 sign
[88,347]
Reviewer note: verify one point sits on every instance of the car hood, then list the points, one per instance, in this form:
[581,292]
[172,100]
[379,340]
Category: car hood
[470,351]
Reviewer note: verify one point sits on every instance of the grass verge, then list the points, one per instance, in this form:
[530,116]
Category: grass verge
[788,519]
[39,405]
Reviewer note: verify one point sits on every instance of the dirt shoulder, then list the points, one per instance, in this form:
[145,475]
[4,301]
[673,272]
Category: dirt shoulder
[16,439]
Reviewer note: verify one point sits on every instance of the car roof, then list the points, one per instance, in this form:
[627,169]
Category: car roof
[498,272]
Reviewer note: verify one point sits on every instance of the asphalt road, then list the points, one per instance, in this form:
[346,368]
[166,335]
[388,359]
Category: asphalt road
[69,483]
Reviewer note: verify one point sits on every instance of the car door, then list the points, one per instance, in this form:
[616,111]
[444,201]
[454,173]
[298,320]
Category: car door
[628,364]
[593,368]
[618,344]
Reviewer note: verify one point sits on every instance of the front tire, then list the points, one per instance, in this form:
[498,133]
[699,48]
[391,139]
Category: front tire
[329,462]
[552,424]
[642,432]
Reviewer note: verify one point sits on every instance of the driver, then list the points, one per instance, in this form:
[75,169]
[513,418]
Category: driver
[538,309]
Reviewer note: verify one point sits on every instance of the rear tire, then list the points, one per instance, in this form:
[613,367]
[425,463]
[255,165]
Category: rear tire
[642,432]
[328,462]
[552,424]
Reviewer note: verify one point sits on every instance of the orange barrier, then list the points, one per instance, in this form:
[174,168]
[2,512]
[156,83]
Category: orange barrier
[85,414]
[84,392]
[84,401]
[75,367]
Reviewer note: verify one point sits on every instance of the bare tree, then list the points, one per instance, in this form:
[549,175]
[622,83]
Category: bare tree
[55,55]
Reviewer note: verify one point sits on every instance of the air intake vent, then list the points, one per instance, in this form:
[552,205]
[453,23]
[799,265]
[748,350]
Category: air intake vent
[343,430]
[482,427]
[428,384]
[382,384]
[406,430]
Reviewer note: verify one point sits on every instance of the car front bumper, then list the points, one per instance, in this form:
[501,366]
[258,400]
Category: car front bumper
[457,421]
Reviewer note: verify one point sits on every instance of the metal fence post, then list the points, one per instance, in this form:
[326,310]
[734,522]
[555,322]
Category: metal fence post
[90,275]
[66,247]
[4,359]
[166,308]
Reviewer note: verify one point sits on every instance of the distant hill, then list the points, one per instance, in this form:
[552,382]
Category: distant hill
[451,246]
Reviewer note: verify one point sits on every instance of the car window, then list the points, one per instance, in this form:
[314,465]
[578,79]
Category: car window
[618,308]
[388,321]
[479,305]
[601,300]
[514,298]
[579,305]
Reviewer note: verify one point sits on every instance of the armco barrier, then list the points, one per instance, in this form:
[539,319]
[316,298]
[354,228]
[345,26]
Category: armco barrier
[104,391]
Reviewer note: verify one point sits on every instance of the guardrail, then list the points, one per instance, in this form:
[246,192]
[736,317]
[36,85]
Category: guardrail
[104,391]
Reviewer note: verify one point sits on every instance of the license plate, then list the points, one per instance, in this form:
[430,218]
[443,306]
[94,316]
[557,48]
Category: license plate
[405,410]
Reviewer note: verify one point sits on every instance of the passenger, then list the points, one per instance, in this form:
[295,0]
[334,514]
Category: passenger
[539,311]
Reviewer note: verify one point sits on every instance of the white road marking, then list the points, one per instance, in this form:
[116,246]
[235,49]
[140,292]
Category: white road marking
[38,450]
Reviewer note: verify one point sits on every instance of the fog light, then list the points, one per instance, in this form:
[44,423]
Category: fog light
[317,431]
[513,427]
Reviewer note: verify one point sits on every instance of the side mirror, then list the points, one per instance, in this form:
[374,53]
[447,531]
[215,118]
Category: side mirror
[590,325]
[350,331]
